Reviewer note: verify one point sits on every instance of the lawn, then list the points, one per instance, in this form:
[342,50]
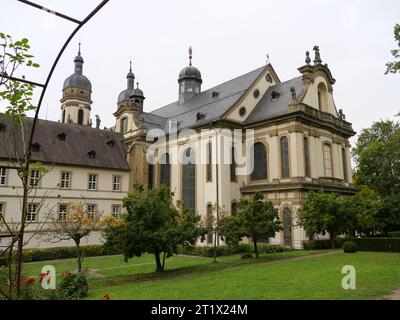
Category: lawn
[273,276]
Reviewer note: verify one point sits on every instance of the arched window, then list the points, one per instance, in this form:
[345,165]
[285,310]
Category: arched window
[209,222]
[124,125]
[150,176]
[344,159]
[233,209]
[287,227]
[80,116]
[209,162]
[189,179]
[327,160]
[260,162]
[233,166]
[63,116]
[285,157]
[322,97]
[165,170]
[306,151]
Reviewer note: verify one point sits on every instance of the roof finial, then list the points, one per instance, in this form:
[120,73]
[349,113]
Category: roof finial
[130,66]
[79,51]
[308,59]
[137,85]
[268,61]
[190,56]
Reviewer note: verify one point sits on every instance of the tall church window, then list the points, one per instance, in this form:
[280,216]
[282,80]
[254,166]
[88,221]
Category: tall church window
[233,165]
[63,116]
[285,157]
[80,116]
[344,159]
[165,170]
[322,97]
[209,162]
[306,151]
[150,176]
[327,160]
[233,209]
[260,162]
[189,180]
[124,125]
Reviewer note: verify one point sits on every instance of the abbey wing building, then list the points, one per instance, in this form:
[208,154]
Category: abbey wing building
[299,142]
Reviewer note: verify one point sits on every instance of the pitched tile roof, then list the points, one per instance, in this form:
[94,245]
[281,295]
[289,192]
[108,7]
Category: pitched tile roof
[110,151]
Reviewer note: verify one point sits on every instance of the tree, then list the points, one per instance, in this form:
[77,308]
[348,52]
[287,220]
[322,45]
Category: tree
[256,219]
[377,156]
[363,209]
[153,224]
[321,213]
[14,55]
[394,66]
[77,224]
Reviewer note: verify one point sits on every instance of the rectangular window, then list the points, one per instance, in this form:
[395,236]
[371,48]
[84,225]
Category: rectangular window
[32,212]
[92,181]
[344,159]
[116,183]
[2,206]
[150,176]
[209,162]
[34,178]
[62,212]
[3,172]
[327,161]
[91,210]
[65,180]
[116,211]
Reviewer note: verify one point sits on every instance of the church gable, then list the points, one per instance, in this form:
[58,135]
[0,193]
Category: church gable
[245,106]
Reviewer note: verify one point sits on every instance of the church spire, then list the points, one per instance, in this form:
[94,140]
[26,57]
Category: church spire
[130,77]
[190,55]
[79,62]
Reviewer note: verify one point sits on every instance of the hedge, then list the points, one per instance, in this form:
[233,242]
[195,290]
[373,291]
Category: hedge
[363,244]
[59,253]
[208,251]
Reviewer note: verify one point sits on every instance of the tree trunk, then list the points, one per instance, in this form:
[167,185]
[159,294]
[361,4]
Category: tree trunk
[78,254]
[159,267]
[255,247]
[20,246]
[332,237]
[163,261]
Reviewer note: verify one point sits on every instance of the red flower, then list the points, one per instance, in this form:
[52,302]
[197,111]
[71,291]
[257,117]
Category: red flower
[69,274]
[106,297]
[30,280]
[41,276]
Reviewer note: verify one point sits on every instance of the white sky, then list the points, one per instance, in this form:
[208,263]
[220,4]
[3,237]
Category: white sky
[229,38]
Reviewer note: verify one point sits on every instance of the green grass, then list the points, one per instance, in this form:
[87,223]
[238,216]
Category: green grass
[316,277]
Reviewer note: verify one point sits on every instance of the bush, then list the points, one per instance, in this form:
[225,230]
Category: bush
[349,247]
[246,255]
[394,234]
[74,286]
[274,248]
[363,244]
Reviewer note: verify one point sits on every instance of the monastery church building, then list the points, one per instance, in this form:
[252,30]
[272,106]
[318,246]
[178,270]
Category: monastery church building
[300,143]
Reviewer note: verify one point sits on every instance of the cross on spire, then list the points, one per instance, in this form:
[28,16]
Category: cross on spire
[190,56]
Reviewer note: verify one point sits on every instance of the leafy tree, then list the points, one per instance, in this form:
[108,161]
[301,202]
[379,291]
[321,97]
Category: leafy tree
[394,67]
[321,213]
[256,219]
[377,155]
[362,209]
[388,217]
[77,224]
[153,224]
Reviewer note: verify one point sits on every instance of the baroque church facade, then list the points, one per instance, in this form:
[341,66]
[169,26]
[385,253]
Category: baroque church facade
[299,143]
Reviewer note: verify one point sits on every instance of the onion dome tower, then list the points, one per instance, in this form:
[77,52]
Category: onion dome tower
[76,100]
[189,81]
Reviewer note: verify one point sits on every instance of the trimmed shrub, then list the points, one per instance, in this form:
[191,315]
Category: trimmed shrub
[274,248]
[74,286]
[363,244]
[349,247]
[246,255]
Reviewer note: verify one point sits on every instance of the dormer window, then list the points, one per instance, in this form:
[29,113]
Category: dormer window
[61,136]
[275,96]
[214,94]
[111,143]
[124,125]
[36,147]
[91,154]
[200,116]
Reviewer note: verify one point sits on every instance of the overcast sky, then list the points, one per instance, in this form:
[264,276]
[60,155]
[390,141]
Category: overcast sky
[229,38]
